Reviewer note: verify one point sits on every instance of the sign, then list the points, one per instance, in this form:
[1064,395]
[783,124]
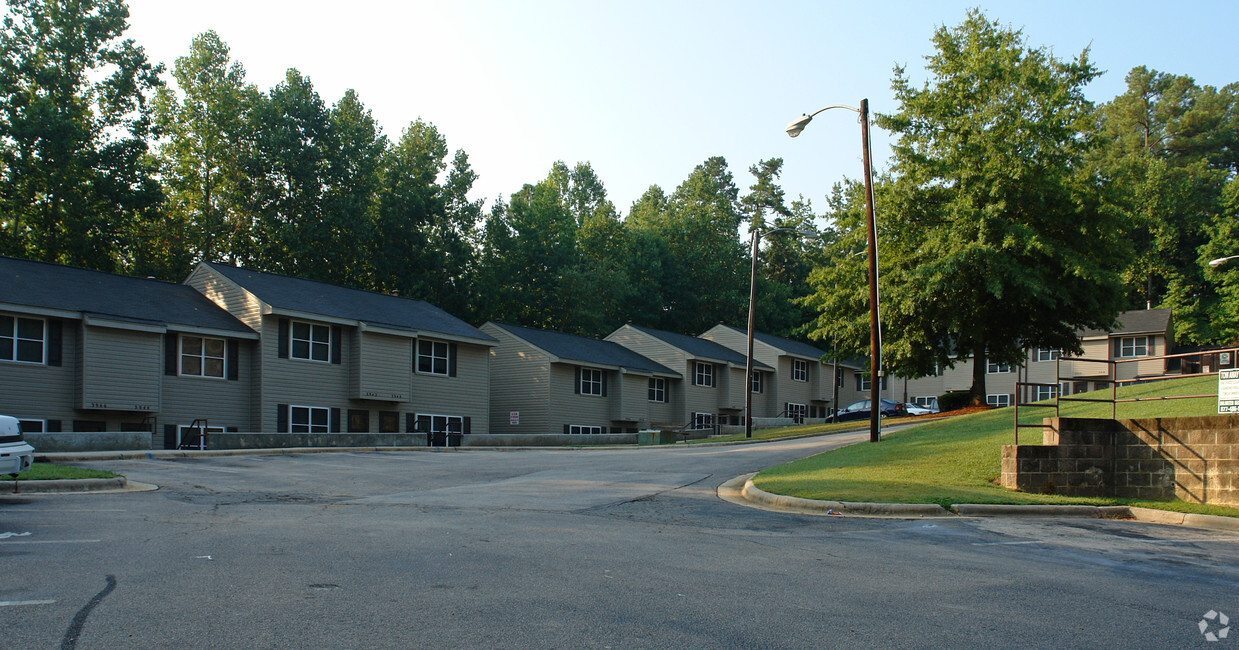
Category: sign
[1228,391]
[514,417]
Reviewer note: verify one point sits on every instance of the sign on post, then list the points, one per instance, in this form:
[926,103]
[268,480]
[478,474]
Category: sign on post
[1228,391]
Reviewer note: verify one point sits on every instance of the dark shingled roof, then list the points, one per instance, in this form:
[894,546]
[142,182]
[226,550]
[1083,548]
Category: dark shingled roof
[571,347]
[787,345]
[699,347]
[313,297]
[121,297]
[1141,321]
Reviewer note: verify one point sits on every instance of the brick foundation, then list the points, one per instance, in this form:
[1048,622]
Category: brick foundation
[1193,459]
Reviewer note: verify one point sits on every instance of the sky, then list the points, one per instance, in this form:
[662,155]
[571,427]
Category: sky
[645,90]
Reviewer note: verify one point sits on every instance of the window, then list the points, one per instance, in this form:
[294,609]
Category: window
[839,377]
[580,429]
[358,421]
[310,342]
[433,357]
[928,401]
[389,422]
[998,399]
[440,423]
[757,382]
[796,412]
[1133,346]
[1046,392]
[703,374]
[658,389]
[591,381]
[863,385]
[800,370]
[309,419]
[997,368]
[21,339]
[32,426]
[703,420]
[202,357]
[1046,354]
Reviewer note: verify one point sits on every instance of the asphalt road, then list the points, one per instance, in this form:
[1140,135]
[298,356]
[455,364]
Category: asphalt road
[622,548]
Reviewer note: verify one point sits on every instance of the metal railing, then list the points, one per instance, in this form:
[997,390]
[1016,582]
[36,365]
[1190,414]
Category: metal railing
[1112,378]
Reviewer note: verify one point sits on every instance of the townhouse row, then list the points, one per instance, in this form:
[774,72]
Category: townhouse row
[235,350]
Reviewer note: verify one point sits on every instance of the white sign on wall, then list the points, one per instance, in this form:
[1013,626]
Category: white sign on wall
[1228,391]
[514,417]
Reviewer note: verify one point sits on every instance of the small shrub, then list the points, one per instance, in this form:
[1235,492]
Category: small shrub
[956,399]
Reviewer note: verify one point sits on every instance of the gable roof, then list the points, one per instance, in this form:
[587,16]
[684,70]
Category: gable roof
[43,285]
[570,347]
[784,345]
[700,348]
[314,297]
[1138,321]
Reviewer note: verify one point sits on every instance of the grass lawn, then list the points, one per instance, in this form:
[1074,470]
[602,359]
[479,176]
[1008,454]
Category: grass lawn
[958,460]
[48,471]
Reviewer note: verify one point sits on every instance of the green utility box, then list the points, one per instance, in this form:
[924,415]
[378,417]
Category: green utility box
[655,437]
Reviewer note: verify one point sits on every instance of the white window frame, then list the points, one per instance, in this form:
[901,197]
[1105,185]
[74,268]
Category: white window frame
[703,420]
[309,426]
[927,401]
[442,420]
[1047,354]
[432,357]
[703,374]
[1044,392]
[998,399]
[312,344]
[1139,347]
[202,357]
[797,412]
[865,386]
[13,335]
[992,368]
[591,382]
[22,422]
[584,430]
[800,370]
[657,390]
[757,383]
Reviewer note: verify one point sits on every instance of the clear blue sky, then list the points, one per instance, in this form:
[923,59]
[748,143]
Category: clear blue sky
[644,90]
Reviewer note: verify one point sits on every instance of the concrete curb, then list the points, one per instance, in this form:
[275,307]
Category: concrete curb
[1012,510]
[814,506]
[64,485]
[1208,522]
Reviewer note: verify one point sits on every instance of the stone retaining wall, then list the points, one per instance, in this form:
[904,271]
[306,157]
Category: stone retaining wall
[1194,459]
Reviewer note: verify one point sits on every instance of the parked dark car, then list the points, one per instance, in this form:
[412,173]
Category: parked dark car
[860,410]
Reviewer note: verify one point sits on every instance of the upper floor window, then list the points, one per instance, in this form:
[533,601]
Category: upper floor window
[997,368]
[202,356]
[758,382]
[310,342]
[1046,354]
[703,374]
[800,370]
[658,389]
[863,384]
[21,339]
[433,357]
[1133,346]
[591,381]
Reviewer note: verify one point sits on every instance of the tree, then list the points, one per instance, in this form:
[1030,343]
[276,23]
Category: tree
[991,238]
[76,185]
[203,152]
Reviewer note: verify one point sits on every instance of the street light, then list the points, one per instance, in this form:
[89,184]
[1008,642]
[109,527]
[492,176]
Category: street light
[1222,260]
[748,364]
[793,129]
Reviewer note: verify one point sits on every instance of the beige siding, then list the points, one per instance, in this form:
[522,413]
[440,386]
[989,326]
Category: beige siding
[567,407]
[699,399]
[222,402]
[42,392]
[634,398]
[300,382]
[466,395]
[519,382]
[384,366]
[665,413]
[225,293]
[121,370]
[731,387]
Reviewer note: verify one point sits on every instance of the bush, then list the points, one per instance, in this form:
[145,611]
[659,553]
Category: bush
[956,399]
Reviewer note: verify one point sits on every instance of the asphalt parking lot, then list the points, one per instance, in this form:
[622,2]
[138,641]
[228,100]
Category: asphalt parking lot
[571,548]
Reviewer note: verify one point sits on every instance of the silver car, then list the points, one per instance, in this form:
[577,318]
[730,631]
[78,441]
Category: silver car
[15,455]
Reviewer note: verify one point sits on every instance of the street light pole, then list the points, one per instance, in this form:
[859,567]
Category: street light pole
[875,361]
[748,363]
[1222,260]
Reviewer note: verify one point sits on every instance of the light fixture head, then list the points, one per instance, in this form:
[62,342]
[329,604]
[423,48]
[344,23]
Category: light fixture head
[797,125]
[1221,260]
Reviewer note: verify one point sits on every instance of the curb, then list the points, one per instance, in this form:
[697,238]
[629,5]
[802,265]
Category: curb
[814,506]
[1209,522]
[1011,510]
[64,485]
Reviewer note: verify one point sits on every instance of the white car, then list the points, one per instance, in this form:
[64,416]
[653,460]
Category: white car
[917,409]
[15,454]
